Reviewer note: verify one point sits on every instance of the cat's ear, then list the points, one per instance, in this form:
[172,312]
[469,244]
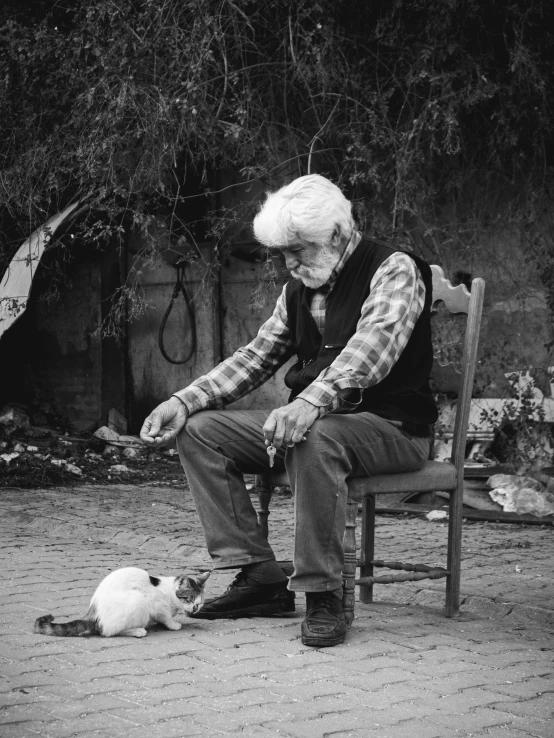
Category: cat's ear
[201,578]
[182,581]
[193,579]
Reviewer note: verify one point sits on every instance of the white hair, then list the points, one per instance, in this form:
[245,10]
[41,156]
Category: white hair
[310,208]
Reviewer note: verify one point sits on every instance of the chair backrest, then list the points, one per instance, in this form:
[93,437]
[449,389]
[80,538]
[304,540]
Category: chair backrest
[450,376]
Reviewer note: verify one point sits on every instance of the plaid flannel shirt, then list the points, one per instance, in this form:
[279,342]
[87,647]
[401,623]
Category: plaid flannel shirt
[387,319]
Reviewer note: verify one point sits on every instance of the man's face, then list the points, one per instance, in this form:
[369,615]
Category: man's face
[310,262]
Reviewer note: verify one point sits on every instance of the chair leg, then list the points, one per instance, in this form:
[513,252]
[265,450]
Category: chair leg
[349,569]
[368,547]
[454,550]
[264,489]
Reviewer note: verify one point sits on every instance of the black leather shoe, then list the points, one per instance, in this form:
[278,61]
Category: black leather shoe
[324,624]
[243,600]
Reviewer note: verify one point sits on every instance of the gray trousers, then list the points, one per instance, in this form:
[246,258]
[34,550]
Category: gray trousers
[216,447]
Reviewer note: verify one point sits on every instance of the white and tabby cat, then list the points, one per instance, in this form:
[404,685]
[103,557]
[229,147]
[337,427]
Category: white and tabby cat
[128,600]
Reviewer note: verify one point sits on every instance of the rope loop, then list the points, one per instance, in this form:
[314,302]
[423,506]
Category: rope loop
[179,287]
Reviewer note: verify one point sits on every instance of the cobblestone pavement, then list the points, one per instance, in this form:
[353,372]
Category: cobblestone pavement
[404,671]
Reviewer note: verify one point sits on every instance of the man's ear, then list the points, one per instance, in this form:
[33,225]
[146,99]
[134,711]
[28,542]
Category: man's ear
[336,238]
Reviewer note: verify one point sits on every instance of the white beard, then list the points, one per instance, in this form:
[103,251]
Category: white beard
[320,272]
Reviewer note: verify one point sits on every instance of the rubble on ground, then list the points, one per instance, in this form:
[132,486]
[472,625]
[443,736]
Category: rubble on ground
[39,448]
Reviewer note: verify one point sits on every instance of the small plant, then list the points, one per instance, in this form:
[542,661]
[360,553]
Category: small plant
[523,424]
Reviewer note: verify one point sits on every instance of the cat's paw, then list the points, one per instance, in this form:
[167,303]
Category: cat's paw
[174,625]
[135,632]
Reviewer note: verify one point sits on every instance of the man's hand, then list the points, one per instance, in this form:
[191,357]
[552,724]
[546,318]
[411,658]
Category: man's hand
[164,422]
[289,424]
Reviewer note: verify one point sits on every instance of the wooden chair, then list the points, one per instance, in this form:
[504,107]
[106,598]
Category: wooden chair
[447,476]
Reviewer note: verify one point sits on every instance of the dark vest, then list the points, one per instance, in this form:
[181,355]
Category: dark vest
[404,394]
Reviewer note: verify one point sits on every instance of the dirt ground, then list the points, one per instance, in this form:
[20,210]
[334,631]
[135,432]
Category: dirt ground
[49,458]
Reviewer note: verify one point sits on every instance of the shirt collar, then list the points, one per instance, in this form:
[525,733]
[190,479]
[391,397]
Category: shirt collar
[346,254]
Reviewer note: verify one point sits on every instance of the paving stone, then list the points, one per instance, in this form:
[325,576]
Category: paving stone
[101,725]
[466,699]
[506,732]
[266,714]
[540,706]
[530,726]
[16,730]
[527,687]
[22,713]
[79,690]
[408,729]
[473,720]
[329,724]
[146,715]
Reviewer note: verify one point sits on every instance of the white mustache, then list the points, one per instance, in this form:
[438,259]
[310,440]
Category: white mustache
[320,272]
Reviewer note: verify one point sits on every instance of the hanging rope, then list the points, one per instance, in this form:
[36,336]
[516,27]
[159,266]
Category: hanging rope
[179,287]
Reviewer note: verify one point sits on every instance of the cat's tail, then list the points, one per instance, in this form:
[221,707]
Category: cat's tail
[46,626]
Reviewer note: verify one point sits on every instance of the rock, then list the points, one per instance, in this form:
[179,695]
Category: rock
[19,448]
[73,469]
[13,418]
[437,515]
[131,453]
[8,457]
[121,469]
[106,434]
[67,466]
[117,421]
[32,449]
[111,451]
[93,456]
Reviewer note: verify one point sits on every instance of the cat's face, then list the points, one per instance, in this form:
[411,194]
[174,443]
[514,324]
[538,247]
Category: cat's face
[189,589]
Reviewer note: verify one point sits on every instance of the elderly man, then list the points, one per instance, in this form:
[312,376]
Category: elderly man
[357,316]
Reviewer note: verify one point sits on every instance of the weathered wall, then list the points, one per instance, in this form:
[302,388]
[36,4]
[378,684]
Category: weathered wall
[64,365]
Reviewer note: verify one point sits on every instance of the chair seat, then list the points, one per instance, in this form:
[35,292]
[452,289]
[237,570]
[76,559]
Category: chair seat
[435,476]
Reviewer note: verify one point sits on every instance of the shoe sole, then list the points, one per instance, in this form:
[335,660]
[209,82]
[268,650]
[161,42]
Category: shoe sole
[322,642]
[263,610]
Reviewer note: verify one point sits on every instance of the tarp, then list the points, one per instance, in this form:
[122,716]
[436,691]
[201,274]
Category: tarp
[16,283]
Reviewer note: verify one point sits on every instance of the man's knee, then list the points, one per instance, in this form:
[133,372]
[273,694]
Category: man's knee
[317,439]
[322,431]
[208,425]
[199,427]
